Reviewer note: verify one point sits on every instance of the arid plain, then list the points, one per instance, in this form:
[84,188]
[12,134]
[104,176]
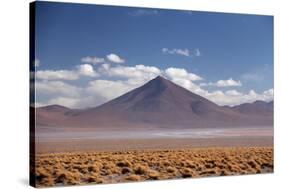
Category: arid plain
[157,131]
[124,166]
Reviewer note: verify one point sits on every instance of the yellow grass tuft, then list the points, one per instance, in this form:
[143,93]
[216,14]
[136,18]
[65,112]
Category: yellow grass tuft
[123,166]
[154,175]
[140,169]
[133,177]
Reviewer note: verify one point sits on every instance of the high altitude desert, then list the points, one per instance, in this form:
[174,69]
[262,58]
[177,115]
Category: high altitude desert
[124,166]
[157,131]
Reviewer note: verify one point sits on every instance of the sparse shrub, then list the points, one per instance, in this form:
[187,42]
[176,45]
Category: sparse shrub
[189,164]
[235,168]
[166,163]
[41,173]
[208,172]
[171,169]
[187,172]
[266,165]
[153,174]
[48,181]
[252,163]
[126,170]
[93,178]
[115,170]
[133,177]
[124,163]
[67,177]
[100,180]
[93,168]
[104,167]
[209,165]
[225,172]
[140,169]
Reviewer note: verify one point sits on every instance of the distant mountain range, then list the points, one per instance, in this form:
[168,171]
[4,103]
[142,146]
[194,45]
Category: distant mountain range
[257,107]
[158,104]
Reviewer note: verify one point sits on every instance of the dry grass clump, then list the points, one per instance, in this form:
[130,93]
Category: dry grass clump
[67,177]
[93,168]
[140,169]
[154,175]
[133,177]
[124,166]
[44,177]
[124,163]
[187,173]
[93,178]
[126,170]
[171,169]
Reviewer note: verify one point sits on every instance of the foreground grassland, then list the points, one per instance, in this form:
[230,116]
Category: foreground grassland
[125,166]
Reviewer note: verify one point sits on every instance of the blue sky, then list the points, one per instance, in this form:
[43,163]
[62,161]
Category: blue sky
[213,46]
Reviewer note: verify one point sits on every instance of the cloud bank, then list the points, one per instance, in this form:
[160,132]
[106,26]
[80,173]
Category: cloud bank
[74,74]
[92,84]
[115,58]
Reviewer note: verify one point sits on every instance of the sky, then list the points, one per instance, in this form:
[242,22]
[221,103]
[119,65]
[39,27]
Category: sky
[87,54]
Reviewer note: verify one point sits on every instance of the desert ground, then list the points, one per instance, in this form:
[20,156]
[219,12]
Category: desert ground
[108,145]
[60,140]
[111,157]
[56,169]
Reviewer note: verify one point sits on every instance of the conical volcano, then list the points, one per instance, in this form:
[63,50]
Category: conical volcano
[159,103]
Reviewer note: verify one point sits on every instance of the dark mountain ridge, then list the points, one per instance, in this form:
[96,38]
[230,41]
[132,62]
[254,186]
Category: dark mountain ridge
[257,107]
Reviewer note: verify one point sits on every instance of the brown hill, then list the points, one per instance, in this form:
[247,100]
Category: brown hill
[257,107]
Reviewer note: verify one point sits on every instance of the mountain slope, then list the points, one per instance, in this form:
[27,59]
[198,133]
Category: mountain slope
[51,114]
[157,104]
[257,107]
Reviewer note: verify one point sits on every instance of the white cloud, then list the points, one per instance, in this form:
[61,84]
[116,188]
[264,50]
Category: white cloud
[189,85]
[183,52]
[107,89]
[236,98]
[228,83]
[252,93]
[232,93]
[181,73]
[224,83]
[115,58]
[56,75]
[117,80]
[98,60]
[99,91]
[81,70]
[269,92]
[92,60]
[138,71]
[134,75]
[56,88]
[87,70]
[66,101]
[103,69]
[230,97]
